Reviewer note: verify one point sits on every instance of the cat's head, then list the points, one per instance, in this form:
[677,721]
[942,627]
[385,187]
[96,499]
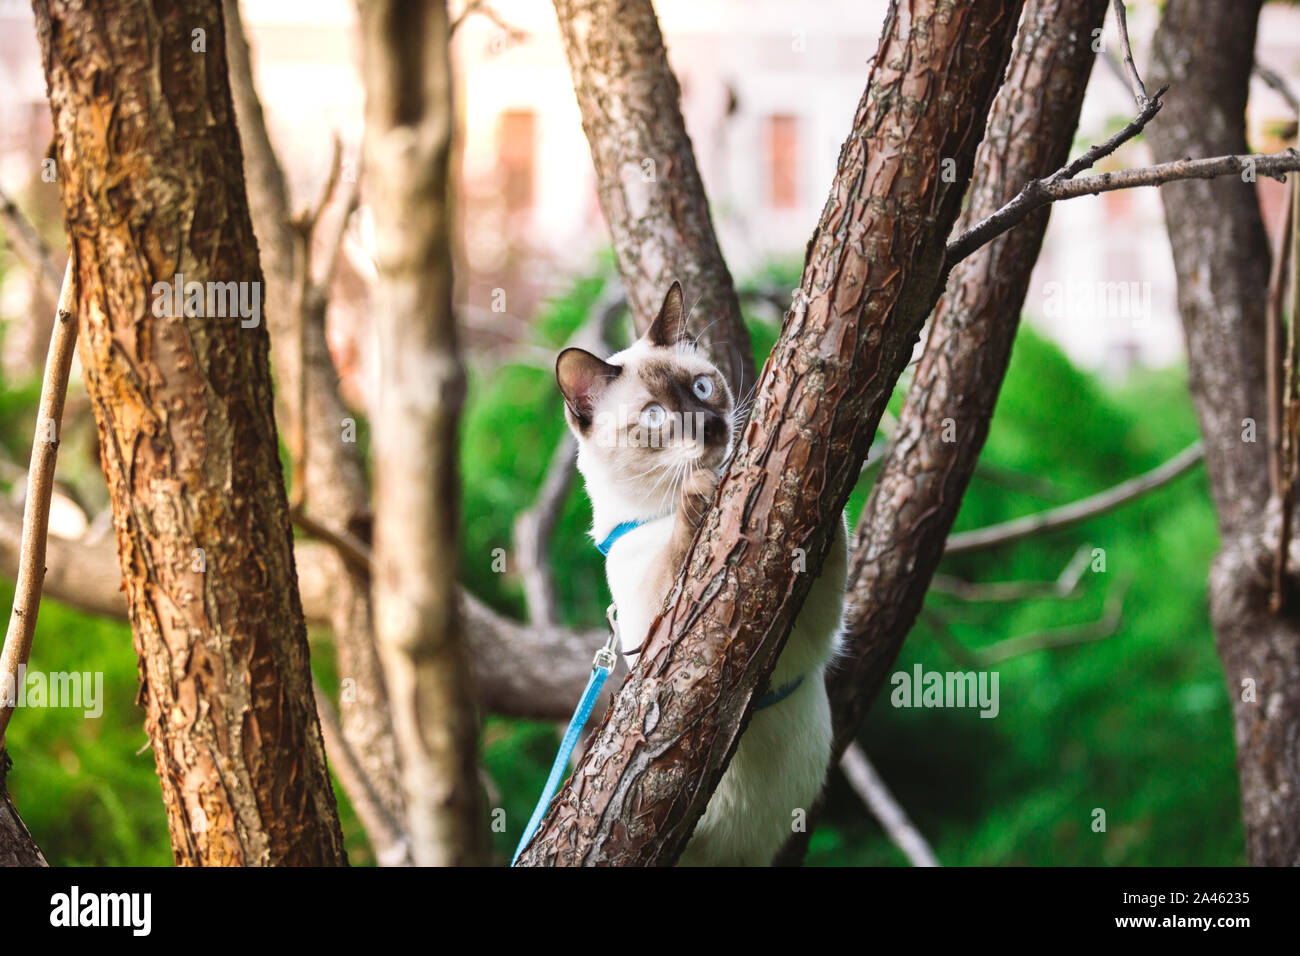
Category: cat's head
[650,414]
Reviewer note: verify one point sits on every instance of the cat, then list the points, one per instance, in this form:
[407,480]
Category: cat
[654,423]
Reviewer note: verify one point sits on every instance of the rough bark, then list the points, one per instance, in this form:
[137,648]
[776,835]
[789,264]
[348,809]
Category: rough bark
[903,529]
[649,185]
[335,488]
[1204,49]
[868,284]
[409,120]
[150,176]
[17,847]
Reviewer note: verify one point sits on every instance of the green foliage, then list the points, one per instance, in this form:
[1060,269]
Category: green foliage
[1136,724]
[86,787]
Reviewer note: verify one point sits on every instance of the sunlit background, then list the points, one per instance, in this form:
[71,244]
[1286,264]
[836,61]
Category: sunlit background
[1132,717]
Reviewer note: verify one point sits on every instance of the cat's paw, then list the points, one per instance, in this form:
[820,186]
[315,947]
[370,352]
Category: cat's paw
[697,492]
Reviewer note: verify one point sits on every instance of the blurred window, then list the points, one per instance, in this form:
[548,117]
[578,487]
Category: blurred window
[515,153]
[783,161]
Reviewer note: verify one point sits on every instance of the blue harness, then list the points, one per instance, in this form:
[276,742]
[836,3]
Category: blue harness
[601,667]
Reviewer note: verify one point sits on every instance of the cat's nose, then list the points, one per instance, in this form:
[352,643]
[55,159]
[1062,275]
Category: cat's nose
[715,429]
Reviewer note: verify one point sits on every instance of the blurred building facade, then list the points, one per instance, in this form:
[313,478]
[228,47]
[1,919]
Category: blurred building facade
[769,91]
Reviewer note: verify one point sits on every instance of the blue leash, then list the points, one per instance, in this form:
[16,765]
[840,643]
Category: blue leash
[601,667]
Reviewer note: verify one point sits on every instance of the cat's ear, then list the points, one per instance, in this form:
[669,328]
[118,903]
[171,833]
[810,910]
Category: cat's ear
[669,327]
[582,377]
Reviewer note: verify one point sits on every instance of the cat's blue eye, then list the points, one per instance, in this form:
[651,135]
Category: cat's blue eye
[653,415]
[703,386]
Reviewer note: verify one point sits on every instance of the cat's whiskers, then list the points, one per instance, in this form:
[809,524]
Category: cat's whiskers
[655,465]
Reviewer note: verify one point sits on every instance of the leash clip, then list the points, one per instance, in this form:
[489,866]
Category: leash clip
[607,656]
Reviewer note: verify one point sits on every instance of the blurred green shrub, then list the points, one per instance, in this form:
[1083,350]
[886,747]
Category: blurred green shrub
[1136,724]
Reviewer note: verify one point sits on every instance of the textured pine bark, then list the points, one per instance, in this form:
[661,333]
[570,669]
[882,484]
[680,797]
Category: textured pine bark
[649,185]
[901,534]
[868,284]
[17,847]
[1204,49]
[409,120]
[150,176]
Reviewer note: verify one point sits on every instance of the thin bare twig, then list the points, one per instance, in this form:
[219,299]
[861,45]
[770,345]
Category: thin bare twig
[350,548]
[513,34]
[1275,82]
[27,243]
[36,508]
[310,300]
[391,843]
[1070,635]
[1066,515]
[1121,21]
[1039,193]
[1275,358]
[1031,196]
[868,785]
[534,526]
[1290,408]
[1066,585]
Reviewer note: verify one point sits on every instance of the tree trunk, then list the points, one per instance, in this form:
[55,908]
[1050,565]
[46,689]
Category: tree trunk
[914,502]
[901,534]
[1205,50]
[649,185]
[149,170]
[409,120]
[869,282]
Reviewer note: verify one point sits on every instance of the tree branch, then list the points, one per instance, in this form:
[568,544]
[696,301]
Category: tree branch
[1289,408]
[34,252]
[1275,81]
[533,526]
[1068,636]
[513,34]
[649,185]
[17,846]
[1066,584]
[1077,511]
[1135,81]
[1042,192]
[392,845]
[1274,352]
[866,783]
[421,385]
[36,508]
